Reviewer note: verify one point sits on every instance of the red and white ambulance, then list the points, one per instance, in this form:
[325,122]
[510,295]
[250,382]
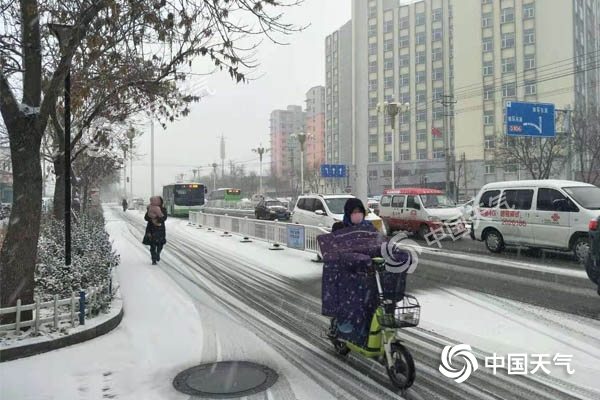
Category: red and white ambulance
[420,211]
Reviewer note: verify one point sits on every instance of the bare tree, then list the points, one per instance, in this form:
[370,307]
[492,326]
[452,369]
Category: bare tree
[541,157]
[158,39]
[586,143]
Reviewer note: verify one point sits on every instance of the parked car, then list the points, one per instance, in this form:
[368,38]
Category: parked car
[592,263]
[325,210]
[551,214]
[271,209]
[420,211]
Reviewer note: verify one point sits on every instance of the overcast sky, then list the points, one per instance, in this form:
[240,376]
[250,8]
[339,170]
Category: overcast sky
[241,112]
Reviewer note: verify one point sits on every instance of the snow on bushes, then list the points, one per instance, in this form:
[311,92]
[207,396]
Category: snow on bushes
[92,259]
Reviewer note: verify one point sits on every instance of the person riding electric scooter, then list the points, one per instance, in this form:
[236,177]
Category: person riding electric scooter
[364,294]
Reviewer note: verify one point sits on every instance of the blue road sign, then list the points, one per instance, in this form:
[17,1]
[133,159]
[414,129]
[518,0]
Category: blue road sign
[333,170]
[529,119]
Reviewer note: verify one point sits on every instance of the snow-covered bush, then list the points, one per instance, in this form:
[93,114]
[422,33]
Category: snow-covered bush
[92,259]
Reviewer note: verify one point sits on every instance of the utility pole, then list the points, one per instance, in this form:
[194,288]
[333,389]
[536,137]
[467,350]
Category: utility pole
[214,166]
[448,101]
[261,151]
[152,157]
[464,164]
[222,156]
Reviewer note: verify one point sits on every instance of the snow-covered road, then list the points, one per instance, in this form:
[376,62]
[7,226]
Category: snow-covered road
[213,298]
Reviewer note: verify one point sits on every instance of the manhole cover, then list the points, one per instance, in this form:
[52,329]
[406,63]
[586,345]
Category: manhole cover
[225,379]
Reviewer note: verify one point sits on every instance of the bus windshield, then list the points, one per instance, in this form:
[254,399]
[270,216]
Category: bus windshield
[189,196]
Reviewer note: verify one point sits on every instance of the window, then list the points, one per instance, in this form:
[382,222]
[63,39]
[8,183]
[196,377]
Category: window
[546,199]
[530,88]
[420,19]
[530,61]
[404,60]
[488,118]
[438,114]
[373,67]
[403,42]
[403,22]
[488,68]
[373,175]
[404,155]
[404,117]
[398,201]
[389,82]
[420,38]
[373,84]
[420,77]
[388,26]
[373,157]
[404,138]
[508,65]
[488,45]
[387,139]
[437,34]
[421,115]
[373,102]
[421,58]
[490,198]
[388,45]
[438,74]
[488,93]
[438,93]
[528,10]
[386,201]
[436,54]
[404,98]
[436,15]
[510,168]
[422,154]
[519,199]
[438,154]
[421,135]
[490,144]
[372,30]
[372,140]
[509,89]
[507,15]
[388,156]
[490,169]
[529,36]
[387,173]
[404,80]
[486,1]
[373,121]
[318,205]
[487,20]
[421,96]
[508,40]
[372,49]
[388,64]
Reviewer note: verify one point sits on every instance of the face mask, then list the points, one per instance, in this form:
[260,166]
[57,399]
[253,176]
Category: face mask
[356,218]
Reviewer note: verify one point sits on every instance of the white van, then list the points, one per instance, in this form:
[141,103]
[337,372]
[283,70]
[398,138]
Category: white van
[551,214]
[420,211]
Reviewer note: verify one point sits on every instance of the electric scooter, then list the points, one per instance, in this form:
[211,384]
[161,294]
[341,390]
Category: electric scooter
[383,343]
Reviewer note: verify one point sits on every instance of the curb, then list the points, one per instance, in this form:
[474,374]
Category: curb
[15,353]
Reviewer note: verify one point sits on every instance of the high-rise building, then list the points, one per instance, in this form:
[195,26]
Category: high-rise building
[285,150]
[524,50]
[314,154]
[457,62]
[338,84]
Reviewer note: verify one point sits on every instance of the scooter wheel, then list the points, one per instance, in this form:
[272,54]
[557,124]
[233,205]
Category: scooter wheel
[339,346]
[402,373]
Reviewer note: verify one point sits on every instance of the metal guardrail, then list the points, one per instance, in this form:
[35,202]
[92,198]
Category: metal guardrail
[268,231]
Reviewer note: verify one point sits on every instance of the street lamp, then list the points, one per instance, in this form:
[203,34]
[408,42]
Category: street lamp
[261,150]
[130,136]
[392,110]
[301,139]
[63,34]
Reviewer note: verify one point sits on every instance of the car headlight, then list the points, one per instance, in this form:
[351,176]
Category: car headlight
[434,219]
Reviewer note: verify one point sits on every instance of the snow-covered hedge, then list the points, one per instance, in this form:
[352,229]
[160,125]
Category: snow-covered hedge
[91,262]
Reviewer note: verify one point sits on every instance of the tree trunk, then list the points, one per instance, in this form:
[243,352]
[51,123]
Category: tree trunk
[59,188]
[19,250]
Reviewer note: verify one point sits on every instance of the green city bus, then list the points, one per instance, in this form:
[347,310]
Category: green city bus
[181,198]
[224,198]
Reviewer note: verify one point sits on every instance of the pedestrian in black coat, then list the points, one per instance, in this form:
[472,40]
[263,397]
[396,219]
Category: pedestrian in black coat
[156,233]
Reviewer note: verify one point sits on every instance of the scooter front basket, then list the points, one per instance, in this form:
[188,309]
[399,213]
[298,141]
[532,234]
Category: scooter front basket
[406,314]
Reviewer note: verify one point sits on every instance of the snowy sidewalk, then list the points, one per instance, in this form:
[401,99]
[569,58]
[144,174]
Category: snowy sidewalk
[162,333]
